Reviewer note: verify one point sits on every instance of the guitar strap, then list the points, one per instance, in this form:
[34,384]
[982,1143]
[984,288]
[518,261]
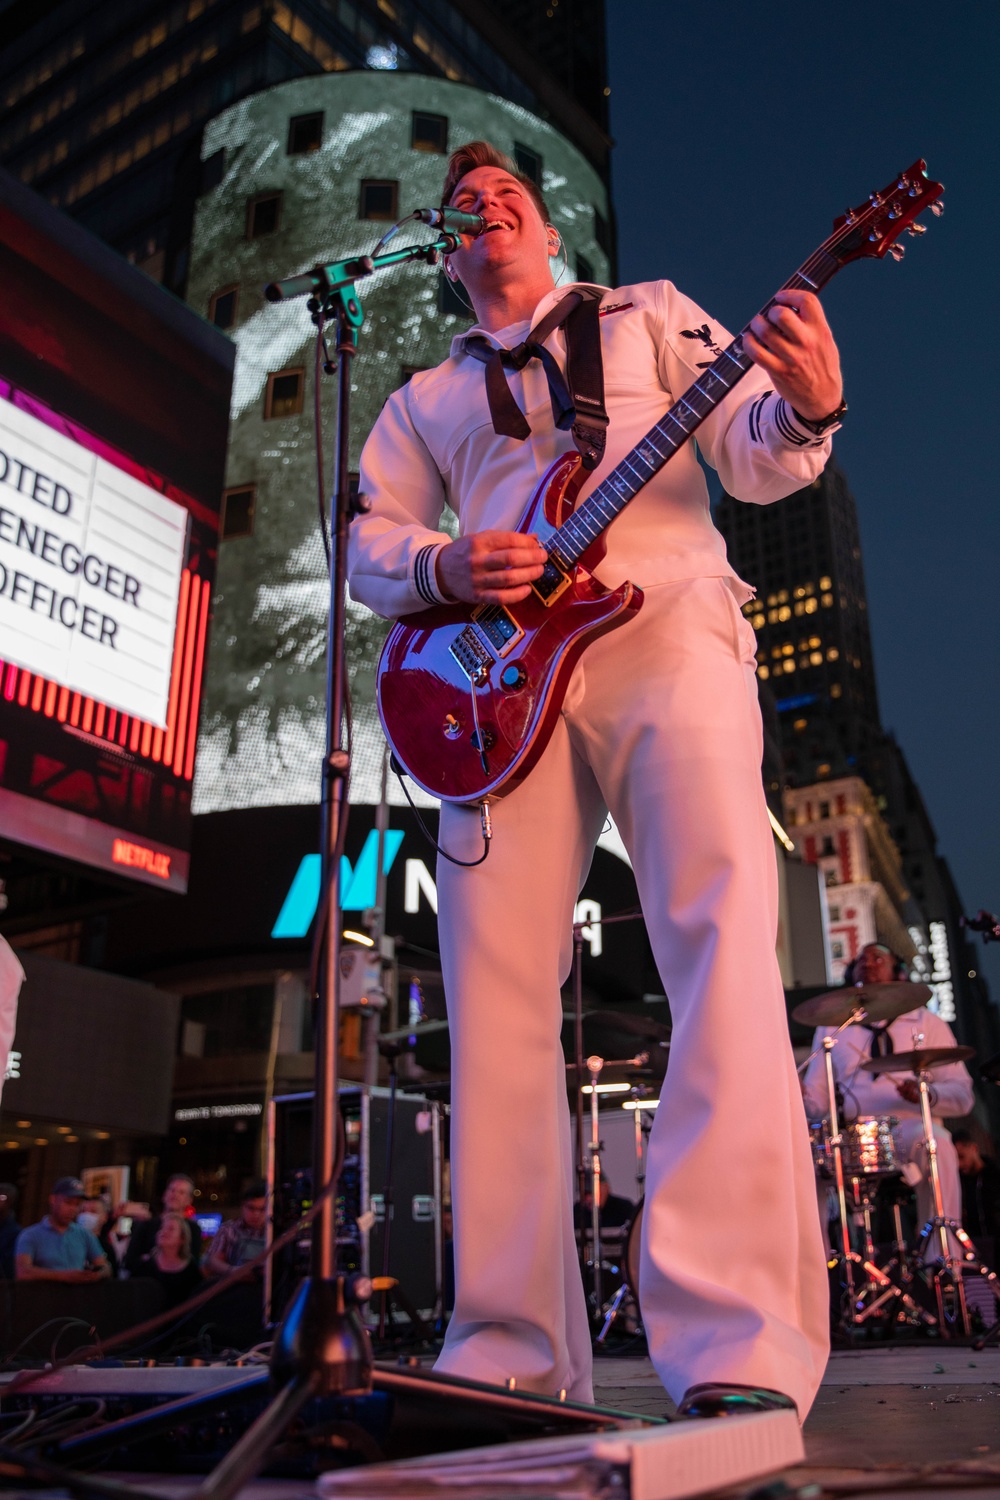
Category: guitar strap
[578,399]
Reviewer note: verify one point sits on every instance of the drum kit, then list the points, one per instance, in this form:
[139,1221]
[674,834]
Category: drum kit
[922,1286]
[856,1157]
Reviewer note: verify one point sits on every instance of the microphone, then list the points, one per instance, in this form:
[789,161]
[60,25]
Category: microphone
[451,218]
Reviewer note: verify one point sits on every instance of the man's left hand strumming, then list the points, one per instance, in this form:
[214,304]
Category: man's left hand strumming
[793,343]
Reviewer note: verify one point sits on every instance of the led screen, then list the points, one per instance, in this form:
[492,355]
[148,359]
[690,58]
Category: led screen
[90,569]
[113,421]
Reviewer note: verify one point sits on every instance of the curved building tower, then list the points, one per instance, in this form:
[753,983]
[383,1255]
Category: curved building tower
[310,171]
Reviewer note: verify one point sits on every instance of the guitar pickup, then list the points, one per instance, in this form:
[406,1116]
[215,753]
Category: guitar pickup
[500,629]
[552,583]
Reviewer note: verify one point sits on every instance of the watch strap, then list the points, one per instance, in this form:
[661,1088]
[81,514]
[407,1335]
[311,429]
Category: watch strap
[819,425]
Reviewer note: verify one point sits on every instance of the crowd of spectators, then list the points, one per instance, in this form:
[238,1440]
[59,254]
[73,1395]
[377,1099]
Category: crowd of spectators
[83,1240]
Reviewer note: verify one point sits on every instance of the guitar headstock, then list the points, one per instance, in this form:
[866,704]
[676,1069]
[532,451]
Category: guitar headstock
[872,229]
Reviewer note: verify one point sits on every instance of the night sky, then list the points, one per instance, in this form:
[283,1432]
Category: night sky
[742,130]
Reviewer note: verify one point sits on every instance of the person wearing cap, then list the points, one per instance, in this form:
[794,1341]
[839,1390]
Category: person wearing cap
[58,1248]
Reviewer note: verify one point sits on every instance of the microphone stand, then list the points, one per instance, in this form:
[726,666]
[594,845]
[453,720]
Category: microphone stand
[322,1347]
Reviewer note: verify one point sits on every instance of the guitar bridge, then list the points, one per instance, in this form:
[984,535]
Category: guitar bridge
[552,583]
[472,654]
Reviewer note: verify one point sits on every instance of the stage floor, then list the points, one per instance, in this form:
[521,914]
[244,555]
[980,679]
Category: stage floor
[884,1419]
[891,1410]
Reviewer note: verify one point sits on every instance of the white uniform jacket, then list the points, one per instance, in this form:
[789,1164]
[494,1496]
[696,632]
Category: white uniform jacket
[869,1094]
[434,445]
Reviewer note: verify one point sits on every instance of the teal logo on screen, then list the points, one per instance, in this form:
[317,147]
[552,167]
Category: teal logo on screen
[357,885]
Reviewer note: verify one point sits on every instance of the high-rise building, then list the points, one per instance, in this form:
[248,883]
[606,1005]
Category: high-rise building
[803,555]
[851,803]
[104,105]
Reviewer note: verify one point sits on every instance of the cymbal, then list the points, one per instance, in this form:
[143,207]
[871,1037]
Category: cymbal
[880,1002]
[916,1062]
[615,1020]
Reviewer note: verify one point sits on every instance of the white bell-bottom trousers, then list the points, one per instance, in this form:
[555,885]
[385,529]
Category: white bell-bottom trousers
[661,726]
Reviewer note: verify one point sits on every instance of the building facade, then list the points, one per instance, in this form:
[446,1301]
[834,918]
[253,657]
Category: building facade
[814,650]
[276,210]
[104,106]
[837,827]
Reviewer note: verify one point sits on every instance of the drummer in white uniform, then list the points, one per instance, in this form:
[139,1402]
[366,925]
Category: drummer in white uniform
[868,1096]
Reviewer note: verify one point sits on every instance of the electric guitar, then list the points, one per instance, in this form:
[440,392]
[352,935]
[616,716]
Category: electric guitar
[468,694]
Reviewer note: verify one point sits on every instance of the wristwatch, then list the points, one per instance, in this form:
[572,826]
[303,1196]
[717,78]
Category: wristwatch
[819,425]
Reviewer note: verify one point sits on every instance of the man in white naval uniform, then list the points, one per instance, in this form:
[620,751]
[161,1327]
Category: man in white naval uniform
[660,725]
[867,1095]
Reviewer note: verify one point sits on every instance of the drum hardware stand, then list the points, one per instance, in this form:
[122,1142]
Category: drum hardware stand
[642,1129]
[946,1272]
[886,1286]
[580,1066]
[899,1268]
[854,1312]
[594,1066]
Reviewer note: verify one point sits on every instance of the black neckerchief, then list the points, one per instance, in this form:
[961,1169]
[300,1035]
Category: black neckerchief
[881,1043]
[577,407]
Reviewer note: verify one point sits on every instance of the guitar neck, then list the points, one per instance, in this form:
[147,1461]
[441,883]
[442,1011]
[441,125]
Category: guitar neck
[594,515]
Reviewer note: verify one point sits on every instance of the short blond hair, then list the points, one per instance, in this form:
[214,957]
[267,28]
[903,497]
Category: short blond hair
[484,154]
[185,1231]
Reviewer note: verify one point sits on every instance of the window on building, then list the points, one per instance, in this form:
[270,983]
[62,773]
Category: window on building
[213,169]
[429,133]
[222,307]
[305,134]
[529,162]
[263,215]
[601,231]
[379,200]
[237,511]
[284,393]
[584,270]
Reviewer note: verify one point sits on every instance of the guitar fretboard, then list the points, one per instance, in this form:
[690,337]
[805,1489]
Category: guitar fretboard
[569,542]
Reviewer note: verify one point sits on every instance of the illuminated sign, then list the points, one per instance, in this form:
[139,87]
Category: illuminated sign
[139,857]
[219,1111]
[940,976]
[90,569]
[358,888]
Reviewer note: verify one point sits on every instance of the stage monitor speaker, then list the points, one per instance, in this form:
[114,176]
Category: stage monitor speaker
[416,1243]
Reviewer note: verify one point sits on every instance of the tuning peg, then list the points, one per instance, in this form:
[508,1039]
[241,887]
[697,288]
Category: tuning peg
[897,252]
[916,229]
[937,209]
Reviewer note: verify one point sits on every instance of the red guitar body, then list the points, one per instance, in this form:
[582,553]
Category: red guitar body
[453,673]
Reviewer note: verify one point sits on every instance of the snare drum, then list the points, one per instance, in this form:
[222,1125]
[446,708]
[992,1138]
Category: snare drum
[867,1148]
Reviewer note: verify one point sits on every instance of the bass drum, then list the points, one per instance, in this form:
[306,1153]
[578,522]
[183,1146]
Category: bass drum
[633,1238]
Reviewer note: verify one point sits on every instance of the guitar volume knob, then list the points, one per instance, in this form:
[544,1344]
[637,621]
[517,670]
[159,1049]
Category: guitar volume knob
[513,677]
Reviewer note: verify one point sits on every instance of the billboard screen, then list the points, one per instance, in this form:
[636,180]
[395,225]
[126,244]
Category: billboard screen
[113,423]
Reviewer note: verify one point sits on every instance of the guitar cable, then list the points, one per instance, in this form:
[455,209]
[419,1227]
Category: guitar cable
[484,818]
